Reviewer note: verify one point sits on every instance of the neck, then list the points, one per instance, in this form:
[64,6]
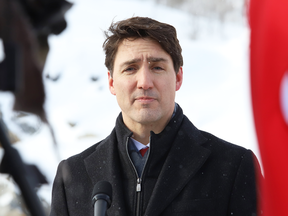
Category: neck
[141,132]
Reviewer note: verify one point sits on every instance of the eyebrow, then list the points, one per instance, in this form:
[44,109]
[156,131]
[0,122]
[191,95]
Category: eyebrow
[154,59]
[150,59]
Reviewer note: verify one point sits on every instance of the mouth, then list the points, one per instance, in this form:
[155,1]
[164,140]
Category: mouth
[145,99]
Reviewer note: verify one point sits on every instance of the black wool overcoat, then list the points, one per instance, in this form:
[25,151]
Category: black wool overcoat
[188,172]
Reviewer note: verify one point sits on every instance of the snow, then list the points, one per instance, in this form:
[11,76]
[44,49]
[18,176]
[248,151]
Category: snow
[215,94]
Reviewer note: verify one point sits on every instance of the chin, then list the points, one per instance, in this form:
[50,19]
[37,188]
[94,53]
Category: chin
[148,117]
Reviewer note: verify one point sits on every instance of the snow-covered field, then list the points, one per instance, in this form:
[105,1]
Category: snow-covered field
[215,94]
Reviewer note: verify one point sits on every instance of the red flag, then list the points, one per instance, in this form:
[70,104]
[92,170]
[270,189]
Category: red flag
[269,88]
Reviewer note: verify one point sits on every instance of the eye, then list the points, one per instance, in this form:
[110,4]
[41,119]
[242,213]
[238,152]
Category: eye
[130,69]
[157,68]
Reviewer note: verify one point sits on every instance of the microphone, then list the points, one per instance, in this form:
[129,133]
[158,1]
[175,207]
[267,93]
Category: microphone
[101,197]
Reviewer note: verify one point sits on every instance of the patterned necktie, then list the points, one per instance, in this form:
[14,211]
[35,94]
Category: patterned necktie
[143,151]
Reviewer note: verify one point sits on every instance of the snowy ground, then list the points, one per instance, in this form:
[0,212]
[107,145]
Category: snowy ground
[215,94]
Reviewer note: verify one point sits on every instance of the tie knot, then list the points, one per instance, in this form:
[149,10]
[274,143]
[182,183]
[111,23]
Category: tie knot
[143,151]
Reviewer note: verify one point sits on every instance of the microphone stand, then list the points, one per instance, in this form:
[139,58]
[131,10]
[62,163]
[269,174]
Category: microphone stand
[13,164]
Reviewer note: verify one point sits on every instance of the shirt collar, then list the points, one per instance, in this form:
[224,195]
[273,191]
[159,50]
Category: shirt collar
[139,145]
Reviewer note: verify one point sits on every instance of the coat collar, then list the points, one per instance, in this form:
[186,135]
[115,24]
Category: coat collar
[183,153]
[185,158]
[103,164]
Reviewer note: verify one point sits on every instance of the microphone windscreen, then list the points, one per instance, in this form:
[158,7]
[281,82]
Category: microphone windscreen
[102,187]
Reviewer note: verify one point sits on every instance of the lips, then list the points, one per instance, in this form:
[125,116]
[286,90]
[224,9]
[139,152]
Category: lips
[145,96]
[145,99]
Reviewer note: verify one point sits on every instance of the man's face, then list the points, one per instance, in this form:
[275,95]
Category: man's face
[144,82]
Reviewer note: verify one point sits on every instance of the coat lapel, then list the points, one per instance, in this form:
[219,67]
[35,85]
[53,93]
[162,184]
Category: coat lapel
[104,164]
[186,157]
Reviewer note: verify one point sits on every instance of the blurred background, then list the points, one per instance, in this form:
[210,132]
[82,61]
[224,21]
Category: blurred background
[215,95]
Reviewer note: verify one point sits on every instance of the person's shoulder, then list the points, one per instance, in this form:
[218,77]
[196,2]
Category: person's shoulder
[209,140]
[77,159]
[85,153]
[222,147]
[222,152]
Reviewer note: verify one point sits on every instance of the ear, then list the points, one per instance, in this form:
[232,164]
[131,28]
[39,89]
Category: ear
[111,83]
[179,78]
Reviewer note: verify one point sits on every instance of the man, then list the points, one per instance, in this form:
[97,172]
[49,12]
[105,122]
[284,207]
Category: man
[184,171]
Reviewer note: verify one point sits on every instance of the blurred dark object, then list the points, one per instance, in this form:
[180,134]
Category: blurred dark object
[46,16]
[34,176]
[94,78]
[13,165]
[11,201]
[24,28]
[8,80]
[54,79]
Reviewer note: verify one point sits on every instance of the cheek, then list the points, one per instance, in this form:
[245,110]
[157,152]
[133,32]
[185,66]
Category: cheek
[169,85]
[167,91]
[123,89]
[171,89]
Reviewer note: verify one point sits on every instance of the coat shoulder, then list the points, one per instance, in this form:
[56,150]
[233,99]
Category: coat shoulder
[85,153]
[230,156]
[211,142]
[217,144]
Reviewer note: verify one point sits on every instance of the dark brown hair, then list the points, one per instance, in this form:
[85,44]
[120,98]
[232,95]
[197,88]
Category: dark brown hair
[142,27]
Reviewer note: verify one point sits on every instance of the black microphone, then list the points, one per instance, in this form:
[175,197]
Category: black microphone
[101,197]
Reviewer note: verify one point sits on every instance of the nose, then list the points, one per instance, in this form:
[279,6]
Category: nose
[144,78]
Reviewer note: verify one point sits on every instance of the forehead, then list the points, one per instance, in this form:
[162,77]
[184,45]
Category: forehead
[140,48]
